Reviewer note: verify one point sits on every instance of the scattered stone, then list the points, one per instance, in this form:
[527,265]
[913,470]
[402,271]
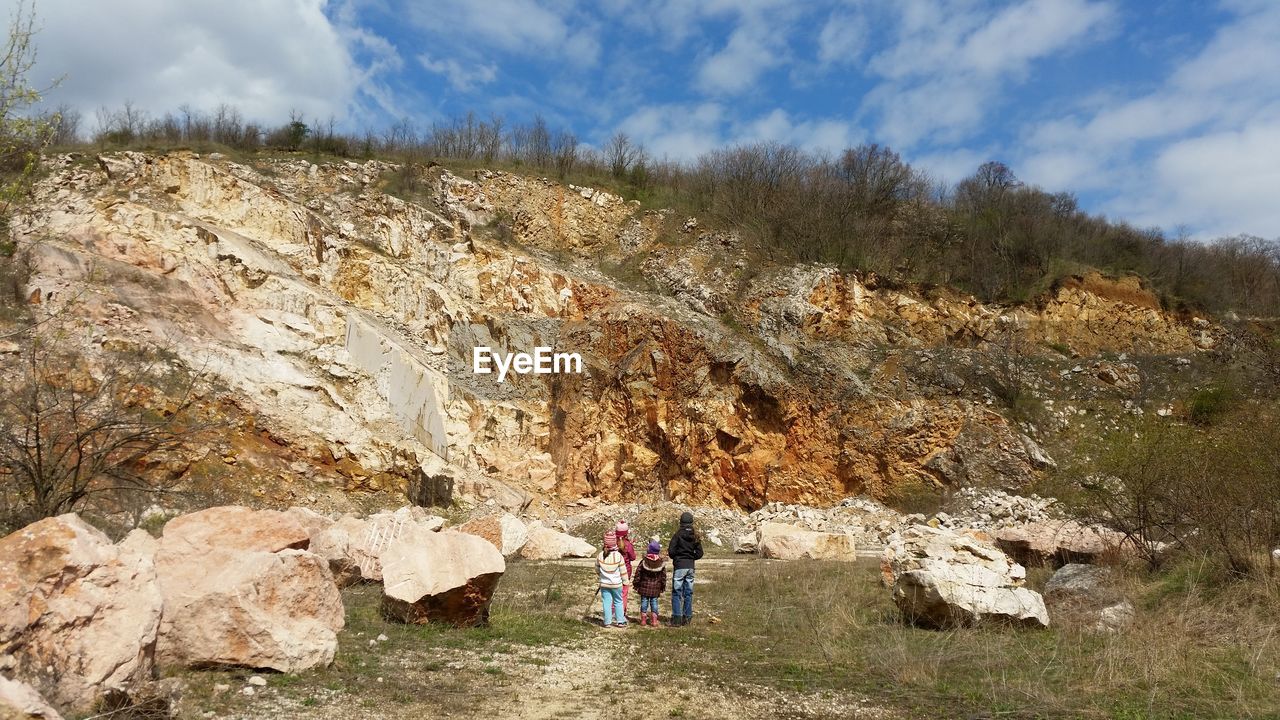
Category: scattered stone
[746,543]
[507,532]
[78,615]
[943,579]
[257,680]
[787,542]
[247,690]
[447,577]
[547,544]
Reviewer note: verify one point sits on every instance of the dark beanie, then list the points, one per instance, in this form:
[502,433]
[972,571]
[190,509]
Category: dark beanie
[686,518]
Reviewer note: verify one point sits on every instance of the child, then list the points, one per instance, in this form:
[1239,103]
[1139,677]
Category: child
[609,565]
[628,554]
[651,578]
[684,549]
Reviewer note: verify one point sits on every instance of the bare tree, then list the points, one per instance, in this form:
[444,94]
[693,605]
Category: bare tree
[621,154]
[70,434]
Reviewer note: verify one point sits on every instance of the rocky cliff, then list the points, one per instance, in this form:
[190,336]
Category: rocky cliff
[343,319]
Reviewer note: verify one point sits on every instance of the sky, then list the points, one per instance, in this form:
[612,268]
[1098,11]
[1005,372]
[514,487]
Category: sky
[1162,114]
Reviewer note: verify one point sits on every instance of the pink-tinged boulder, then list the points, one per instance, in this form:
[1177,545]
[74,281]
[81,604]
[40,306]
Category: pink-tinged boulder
[1056,543]
[310,520]
[244,595]
[78,614]
[943,579]
[446,577]
[780,541]
[232,527]
[20,701]
[507,532]
[352,545]
[547,544]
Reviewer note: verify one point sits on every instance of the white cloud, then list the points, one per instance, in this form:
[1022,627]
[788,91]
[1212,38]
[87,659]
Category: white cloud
[843,39]
[676,131]
[754,47]
[265,58]
[461,77]
[945,69]
[1200,150]
[814,135]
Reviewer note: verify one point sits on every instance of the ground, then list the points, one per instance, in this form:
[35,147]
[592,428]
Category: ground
[770,639]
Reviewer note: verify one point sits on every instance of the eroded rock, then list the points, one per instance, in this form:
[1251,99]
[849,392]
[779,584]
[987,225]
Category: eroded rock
[1057,542]
[507,532]
[943,579]
[20,701]
[787,542]
[251,601]
[547,544]
[78,615]
[445,577]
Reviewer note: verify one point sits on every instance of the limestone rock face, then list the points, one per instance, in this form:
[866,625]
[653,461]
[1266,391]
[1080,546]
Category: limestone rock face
[547,544]
[446,577]
[255,601]
[20,701]
[787,542]
[345,319]
[943,579]
[78,615]
[353,545]
[1056,543]
[507,532]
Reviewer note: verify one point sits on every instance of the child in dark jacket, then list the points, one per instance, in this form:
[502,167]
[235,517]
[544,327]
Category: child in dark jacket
[651,579]
[685,549]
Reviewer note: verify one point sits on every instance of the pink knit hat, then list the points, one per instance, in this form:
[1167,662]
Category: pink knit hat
[610,539]
[622,528]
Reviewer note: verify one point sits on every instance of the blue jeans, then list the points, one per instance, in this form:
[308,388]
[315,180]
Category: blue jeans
[649,605]
[682,593]
[611,599]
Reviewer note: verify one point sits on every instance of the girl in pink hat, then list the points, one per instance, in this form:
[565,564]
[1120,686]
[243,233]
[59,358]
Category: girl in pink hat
[628,554]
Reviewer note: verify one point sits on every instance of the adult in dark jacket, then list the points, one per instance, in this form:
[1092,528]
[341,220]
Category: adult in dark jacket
[684,550]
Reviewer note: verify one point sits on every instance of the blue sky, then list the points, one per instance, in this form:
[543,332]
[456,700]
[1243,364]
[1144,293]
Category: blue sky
[1160,113]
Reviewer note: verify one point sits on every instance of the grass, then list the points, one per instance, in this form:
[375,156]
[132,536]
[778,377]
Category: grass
[816,626]
[808,629]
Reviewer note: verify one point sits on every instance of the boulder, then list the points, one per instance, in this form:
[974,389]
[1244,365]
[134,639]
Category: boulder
[251,601]
[446,577]
[547,544]
[310,520]
[507,532]
[1053,543]
[746,543]
[351,545]
[232,527]
[943,579]
[20,701]
[1089,596]
[78,614]
[788,542]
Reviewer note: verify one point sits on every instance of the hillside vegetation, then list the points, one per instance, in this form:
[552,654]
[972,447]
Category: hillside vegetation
[864,208]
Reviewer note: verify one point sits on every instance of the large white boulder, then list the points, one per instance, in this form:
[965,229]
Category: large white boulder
[547,544]
[945,579]
[78,614]
[20,701]
[788,542]
[245,596]
[446,577]
[507,532]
